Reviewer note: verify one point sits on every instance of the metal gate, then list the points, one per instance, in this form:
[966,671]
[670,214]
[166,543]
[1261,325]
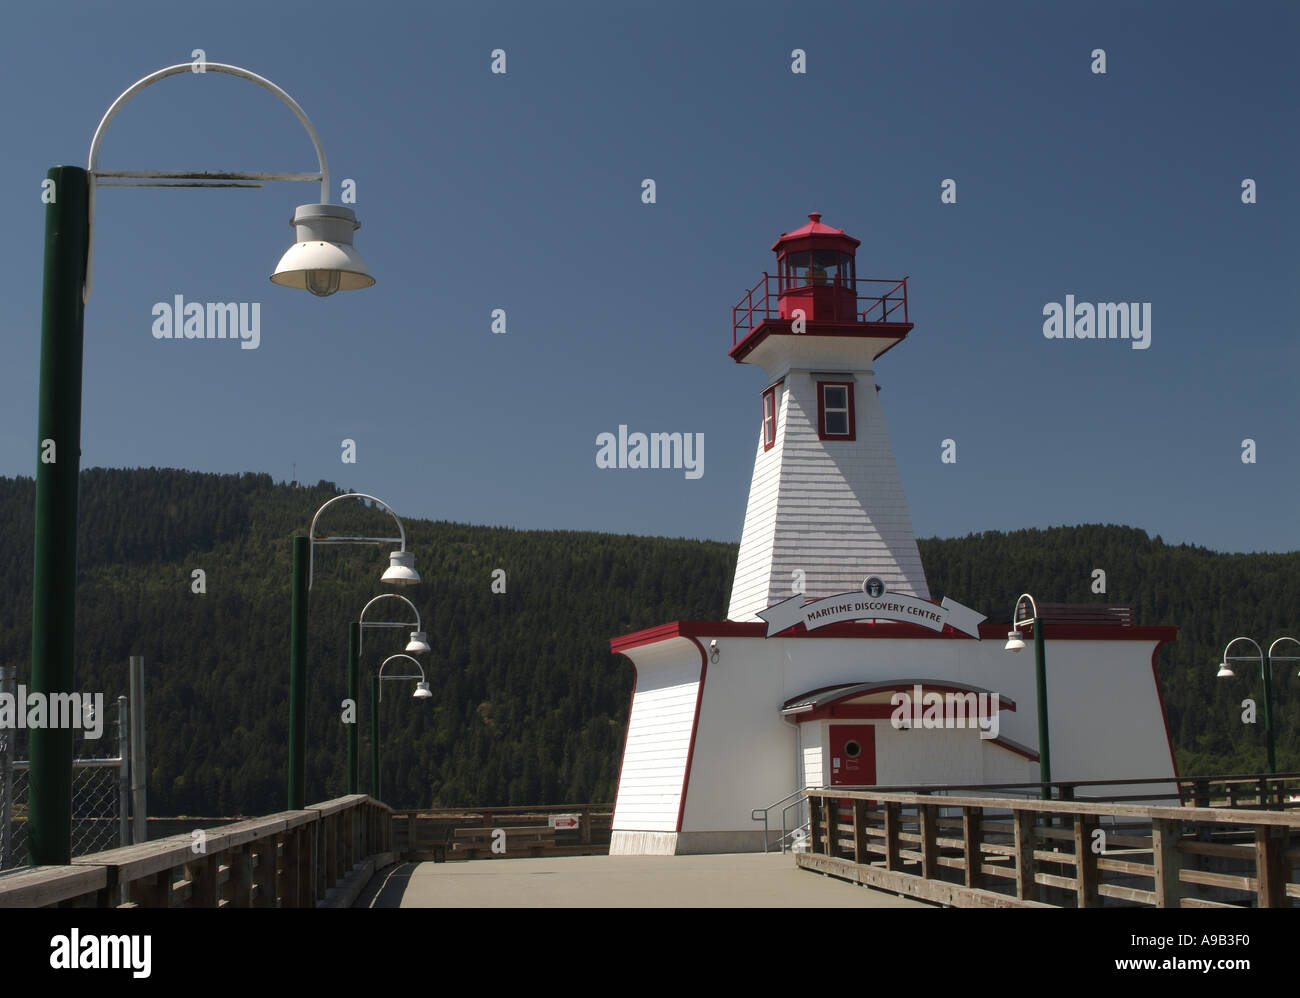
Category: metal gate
[100,789]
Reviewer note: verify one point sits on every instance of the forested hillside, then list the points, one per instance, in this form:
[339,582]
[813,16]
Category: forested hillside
[529,703]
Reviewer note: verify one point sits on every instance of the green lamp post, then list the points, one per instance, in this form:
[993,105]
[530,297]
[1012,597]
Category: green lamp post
[1266,674]
[1016,643]
[417,645]
[322,260]
[401,571]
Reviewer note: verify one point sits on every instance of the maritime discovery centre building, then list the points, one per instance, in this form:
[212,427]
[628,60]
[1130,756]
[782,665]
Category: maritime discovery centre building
[836,666]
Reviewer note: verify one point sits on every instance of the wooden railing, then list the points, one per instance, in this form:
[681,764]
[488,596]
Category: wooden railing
[319,856]
[1004,852]
[1276,791]
[467,833]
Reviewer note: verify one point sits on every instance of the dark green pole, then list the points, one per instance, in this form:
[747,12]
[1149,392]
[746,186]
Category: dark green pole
[374,738]
[1268,712]
[298,676]
[354,682]
[1040,680]
[54,575]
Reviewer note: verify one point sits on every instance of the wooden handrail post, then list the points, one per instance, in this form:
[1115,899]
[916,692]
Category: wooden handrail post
[265,873]
[1270,867]
[1167,861]
[814,823]
[1202,792]
[1085,863]
[1026,865]
[928,815]
[201,872]
[972,820]
[893,811]
[860,854]
[831,807]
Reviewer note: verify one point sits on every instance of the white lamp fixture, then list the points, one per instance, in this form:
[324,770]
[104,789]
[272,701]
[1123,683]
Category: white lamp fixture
[422,691]
[323,260]
[419,643]
[1225,671]
[1014,642]
[401,569]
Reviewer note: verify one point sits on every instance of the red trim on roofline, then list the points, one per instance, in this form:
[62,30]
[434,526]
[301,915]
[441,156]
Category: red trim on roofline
[896,331]
[888,629]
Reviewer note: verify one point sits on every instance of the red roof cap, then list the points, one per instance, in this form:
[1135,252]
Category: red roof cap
[816,228]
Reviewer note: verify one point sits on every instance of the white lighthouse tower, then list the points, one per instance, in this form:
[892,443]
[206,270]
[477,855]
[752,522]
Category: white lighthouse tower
[826,508]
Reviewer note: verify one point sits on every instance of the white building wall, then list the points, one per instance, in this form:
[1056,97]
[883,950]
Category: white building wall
[743,749]
[658,736]
[908,757]
[1103,709]
[753,580]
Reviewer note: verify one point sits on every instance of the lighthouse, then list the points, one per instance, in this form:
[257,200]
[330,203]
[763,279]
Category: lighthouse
[836,666]
[826,509]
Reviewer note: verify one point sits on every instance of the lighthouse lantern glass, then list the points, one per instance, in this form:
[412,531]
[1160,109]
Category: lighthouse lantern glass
[826,266]
[796,268]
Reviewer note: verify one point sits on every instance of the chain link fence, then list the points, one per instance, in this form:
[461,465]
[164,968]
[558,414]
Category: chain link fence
[100,790]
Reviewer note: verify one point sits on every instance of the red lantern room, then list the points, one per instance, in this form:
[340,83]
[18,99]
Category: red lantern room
[814,265]
[816,291]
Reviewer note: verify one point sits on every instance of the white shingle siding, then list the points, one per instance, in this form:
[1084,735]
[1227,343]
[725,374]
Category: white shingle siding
[834,509]
[658,736]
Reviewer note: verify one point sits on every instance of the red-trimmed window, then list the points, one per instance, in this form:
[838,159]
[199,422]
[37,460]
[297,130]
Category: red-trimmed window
[835,416]
[769,417]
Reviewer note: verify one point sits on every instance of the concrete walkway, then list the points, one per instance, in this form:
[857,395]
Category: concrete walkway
[745,880]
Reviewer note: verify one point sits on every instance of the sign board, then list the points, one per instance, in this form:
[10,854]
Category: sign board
[562,822]
[874,603]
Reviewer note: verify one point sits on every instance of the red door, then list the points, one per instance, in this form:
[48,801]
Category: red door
[853,755]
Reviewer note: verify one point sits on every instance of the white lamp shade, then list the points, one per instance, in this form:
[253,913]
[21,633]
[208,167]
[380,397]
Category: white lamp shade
[419,643]
[422,691]
[1225,671]
[1014,642]
[401,569]
[323,260]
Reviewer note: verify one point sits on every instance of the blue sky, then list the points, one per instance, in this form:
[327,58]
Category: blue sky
[522,191]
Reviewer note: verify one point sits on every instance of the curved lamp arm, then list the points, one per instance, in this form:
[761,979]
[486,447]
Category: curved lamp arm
[1283,658]
[1257,657]
[385,623]
[185,67]
[1032,605]
[313,540]
[383,678]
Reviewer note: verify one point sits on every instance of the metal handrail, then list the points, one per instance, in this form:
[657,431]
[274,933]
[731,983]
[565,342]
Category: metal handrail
[761,813]
[758,307]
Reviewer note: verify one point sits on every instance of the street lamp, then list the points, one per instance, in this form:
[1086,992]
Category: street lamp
[422,692]
[69,268]
[304,571]
[1266,673]
[1016,643]
[418,645]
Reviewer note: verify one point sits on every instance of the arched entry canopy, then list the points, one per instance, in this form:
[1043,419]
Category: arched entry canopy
[866,700]
[910,704]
